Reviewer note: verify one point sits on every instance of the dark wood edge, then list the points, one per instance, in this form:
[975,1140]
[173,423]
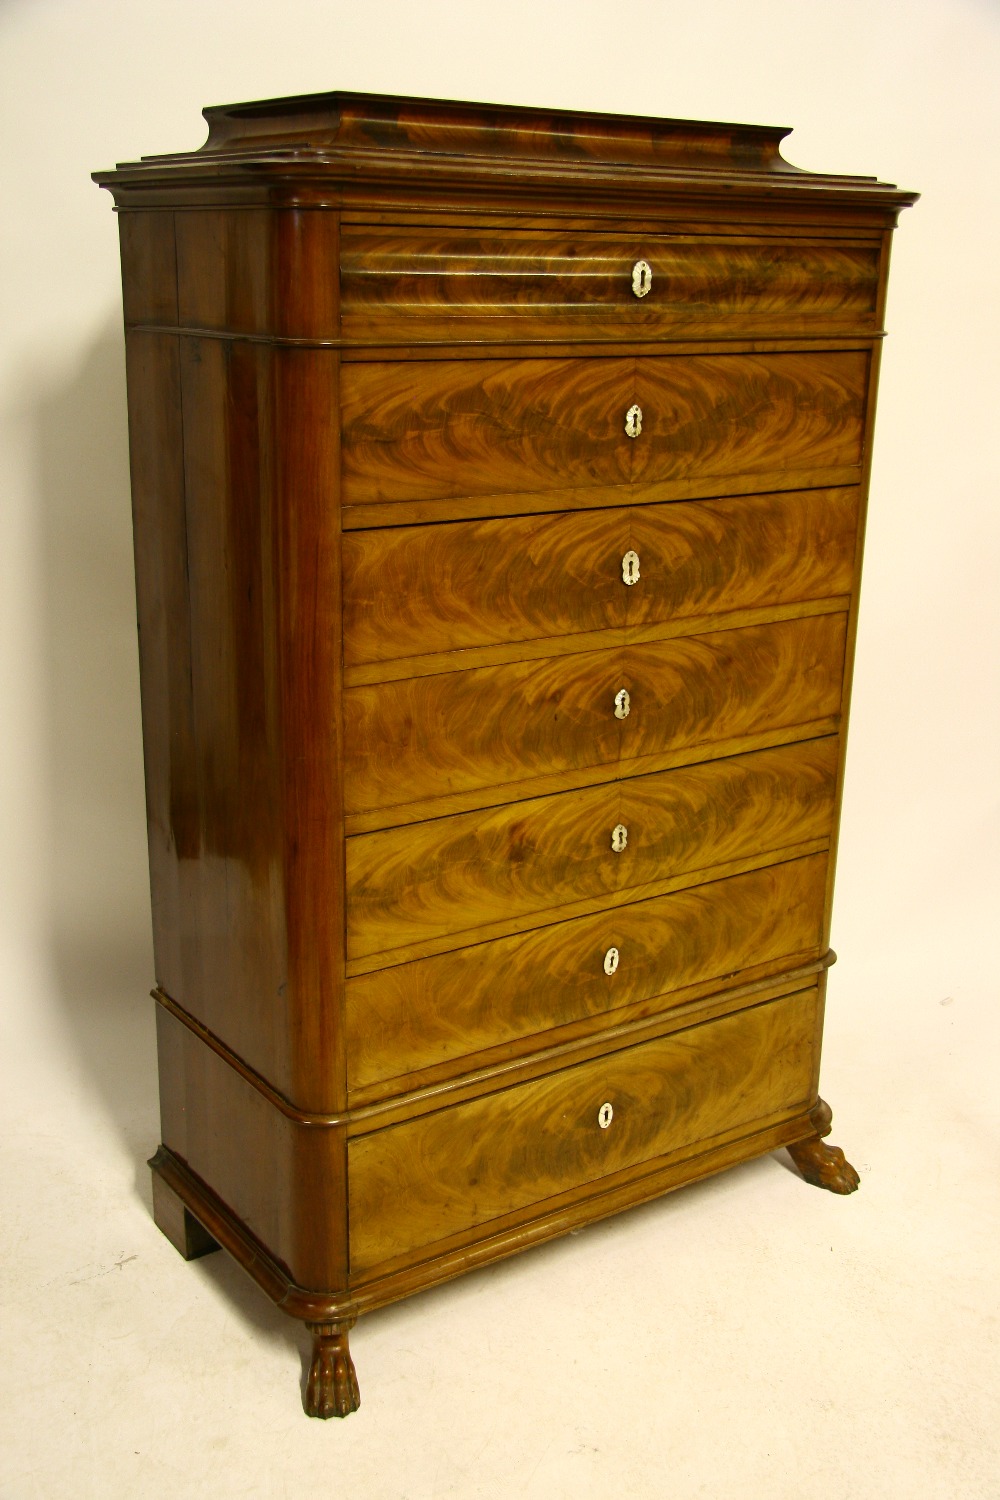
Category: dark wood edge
[439,1095]
[850,654]
[270,1274]
[622,218]
[334,171]
[316,1306]
[340,112]
[617,346]
[421,189]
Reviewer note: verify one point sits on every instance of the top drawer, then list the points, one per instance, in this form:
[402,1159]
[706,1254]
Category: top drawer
[411,284]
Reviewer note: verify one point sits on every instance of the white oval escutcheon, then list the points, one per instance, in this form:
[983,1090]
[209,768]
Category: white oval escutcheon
[642,277]
[605,1115]
[630,568]
[611,960]
[619,837]
[623,703]
[633,421]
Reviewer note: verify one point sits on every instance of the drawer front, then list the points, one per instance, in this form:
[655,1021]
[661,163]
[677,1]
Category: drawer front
[452,430]
[421,589]
[414,1185]
[435,1011]
[400,283]
[429,885]
[449,429]
[734,414]
[493,726]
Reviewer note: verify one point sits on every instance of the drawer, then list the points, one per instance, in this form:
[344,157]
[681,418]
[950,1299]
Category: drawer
[429,886]
[414,1185]
[435,1011]
[490,727]
[411,590]
[451,430]
[400,284]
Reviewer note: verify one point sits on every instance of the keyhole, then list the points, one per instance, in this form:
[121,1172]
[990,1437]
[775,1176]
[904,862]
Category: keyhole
[619,837]
[642,277]
[605,1115]
[630,568]
[622,704]
[611,960]
[633,421]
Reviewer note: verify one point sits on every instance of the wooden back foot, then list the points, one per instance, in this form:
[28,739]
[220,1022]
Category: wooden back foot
[175,1220]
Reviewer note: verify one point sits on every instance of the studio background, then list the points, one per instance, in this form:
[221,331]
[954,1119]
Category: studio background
[747,1336]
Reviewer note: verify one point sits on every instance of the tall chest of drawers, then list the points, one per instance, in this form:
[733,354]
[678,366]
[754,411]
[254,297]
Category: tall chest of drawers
[498,483]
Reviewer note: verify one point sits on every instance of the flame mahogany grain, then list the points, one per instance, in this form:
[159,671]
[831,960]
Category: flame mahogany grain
[414,590]
[437,431]
[428,1015]
[428,1180]
[494,726]
[394,282]
[429,884]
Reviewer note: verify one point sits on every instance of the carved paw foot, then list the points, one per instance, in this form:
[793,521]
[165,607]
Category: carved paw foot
[332,1387]
[824,1166]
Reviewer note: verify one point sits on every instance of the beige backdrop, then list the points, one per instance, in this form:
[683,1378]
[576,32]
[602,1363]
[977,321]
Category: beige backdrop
[776,1362]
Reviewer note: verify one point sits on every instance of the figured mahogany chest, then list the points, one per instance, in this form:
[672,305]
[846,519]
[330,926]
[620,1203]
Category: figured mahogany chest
[499,478]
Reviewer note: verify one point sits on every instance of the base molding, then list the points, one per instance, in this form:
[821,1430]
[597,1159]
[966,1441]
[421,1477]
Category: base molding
[312,1305]
[219,1222]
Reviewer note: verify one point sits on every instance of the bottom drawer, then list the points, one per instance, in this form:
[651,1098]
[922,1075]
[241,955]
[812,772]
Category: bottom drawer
[444,1174]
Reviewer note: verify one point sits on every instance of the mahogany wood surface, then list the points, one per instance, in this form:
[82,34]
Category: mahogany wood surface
[258,272]
[448,588]
[410,887]
[407,154]
[588,496]
[477,130]
[399,284]
[189,1238]
[418,1183]
[457,731]
[380,354]
[469,428]
[283,1177]
[413,1016]
[446,803]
